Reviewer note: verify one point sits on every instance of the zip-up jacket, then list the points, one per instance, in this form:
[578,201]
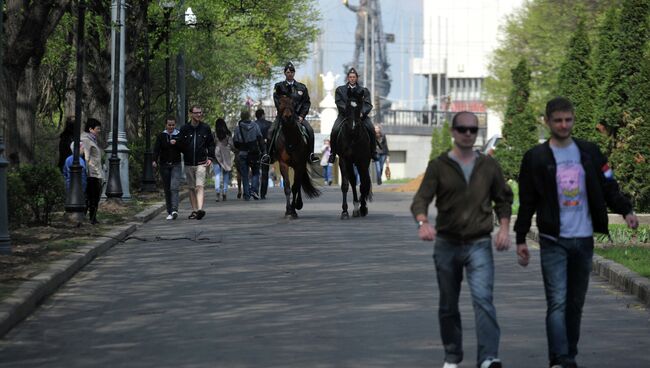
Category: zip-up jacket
[196,143]
[538,190]
[464,209]
[164,152]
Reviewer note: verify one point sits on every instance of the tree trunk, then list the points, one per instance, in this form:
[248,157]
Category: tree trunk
[8,95]
[26,106]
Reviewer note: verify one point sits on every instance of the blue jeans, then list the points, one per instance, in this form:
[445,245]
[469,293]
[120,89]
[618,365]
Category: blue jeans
[327,173]
[171,178]
[450,257]
[254,184]
[379,166]
[566,266]
[221,175]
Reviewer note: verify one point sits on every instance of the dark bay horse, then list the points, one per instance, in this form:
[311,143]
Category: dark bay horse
[353,147]
[291,150]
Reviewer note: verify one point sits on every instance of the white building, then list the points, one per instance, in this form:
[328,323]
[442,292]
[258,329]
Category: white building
[459,37]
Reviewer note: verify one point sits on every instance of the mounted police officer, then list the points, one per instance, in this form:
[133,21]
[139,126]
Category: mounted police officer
[341,98]
[301,104]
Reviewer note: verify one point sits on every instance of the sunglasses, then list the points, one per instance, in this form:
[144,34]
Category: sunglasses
[464,129]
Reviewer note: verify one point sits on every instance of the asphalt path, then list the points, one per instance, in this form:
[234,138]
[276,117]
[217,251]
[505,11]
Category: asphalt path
[245,287]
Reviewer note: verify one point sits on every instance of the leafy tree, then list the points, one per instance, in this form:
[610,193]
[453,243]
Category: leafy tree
[440,140]
[519,126]
[575,82]
[539,32]
[630,129]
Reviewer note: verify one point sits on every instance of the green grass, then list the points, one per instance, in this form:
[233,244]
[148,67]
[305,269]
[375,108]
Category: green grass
[623,235]
[636,258]
[397,181]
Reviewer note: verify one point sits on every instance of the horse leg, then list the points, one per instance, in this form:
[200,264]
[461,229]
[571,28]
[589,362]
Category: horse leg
[284,170]
[344,191]
[297,194]
[364,188]
[295,191]
[355,196]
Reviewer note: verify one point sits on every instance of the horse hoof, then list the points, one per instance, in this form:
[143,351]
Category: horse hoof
[298,205]
[363,211]
[345,215]
[355,213]
[294,215]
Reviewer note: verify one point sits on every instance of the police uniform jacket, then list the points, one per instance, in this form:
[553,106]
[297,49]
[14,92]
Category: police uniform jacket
[298,93]
[341,99]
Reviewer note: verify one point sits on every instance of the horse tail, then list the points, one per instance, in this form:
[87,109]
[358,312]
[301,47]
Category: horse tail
[308,186]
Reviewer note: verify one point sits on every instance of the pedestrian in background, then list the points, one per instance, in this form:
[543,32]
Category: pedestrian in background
[223,153]
[264,126]
[68,164]
[167,157]
[383,154]
[248,140]
[197,145]
[465,184]
[568,183]
[324,162]
[92,153]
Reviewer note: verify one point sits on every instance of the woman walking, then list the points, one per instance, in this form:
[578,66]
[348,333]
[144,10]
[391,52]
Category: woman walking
[223,168]
[93,156]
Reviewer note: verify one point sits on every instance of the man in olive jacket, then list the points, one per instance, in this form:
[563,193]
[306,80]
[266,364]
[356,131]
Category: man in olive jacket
[465,184]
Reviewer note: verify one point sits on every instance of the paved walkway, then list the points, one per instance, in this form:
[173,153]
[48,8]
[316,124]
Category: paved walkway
[246,288]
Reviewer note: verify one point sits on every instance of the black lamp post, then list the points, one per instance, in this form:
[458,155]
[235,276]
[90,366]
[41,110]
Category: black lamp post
[114,186]
[75,205]
[148,181]
[5,239]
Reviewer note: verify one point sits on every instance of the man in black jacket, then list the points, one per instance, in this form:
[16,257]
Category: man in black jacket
[264,126]
[197,144]
[342,93]
[167,154]
[301,104]
[569,184]
[250,143]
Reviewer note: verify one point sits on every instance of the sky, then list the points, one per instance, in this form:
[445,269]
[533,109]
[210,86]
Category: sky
[400,17]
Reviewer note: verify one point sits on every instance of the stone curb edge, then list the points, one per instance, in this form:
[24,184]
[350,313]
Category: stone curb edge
[617,275]
[30,294]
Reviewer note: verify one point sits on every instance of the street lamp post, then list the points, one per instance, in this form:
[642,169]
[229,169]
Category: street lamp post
[5,239]
[148,181]
[114,186]
[75,205]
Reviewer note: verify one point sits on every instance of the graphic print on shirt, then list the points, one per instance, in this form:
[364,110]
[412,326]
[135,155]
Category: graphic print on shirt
[569,178]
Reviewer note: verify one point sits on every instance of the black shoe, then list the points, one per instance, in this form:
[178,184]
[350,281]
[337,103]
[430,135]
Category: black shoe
[313,158]
[255,196]
[238,195]
[332,159]
[378,181]
[200,214]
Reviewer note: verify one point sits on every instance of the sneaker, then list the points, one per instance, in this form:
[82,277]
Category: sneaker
[450,365]
[170,217]
[255,196]
[217,199]
[313,158]
[223,197]
[200,214]
[174,215]
[491,363]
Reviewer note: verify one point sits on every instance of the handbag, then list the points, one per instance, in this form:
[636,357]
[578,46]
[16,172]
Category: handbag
[387,172]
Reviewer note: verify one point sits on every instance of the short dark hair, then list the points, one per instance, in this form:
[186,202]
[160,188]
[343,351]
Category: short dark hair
[455,118]
[558,104]
[170,117]
[259,113]
[195,106]
[91,123]
[245,115]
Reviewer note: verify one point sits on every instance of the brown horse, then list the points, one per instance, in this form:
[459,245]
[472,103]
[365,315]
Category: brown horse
[292,150]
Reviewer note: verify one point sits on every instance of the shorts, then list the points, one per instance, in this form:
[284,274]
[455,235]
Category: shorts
[195,176]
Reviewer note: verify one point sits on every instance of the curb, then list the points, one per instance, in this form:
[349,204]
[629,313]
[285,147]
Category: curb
[616,275]
[30,294]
